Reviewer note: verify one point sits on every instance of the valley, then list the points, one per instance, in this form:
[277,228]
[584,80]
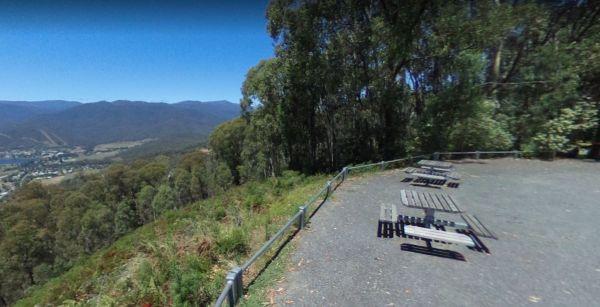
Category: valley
[49,141]
[18,167]
[25,125]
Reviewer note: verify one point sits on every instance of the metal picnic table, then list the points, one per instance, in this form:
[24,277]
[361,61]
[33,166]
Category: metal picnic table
[430,202]
[436,165]
[434,171]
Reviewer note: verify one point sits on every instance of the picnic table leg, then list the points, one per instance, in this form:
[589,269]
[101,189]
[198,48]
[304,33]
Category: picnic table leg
[429,217]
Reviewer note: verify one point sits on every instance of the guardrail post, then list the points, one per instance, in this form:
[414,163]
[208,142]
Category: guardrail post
[328,188]
[381,165]
[436,155]
[230,295]
[477,155]
[302,217]
[344,173]
[235,277]
[516,153]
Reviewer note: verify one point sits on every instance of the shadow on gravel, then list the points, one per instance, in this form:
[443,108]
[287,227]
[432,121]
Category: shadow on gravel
[273,257]
[290,237]
[590,161]
[443,253]
[320,204]
[468,162]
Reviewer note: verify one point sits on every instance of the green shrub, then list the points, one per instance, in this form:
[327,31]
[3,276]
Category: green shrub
[235,242]
[254,201]
[483,131]
[187,290]
[147,284]
[557,135]
[218,212]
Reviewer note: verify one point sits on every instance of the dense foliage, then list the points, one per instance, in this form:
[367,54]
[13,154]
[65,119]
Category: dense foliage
[45,230]
[354,81]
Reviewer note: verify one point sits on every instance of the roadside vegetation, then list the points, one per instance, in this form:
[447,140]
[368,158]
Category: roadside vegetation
[180,258]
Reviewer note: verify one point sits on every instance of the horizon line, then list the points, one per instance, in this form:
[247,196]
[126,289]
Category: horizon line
[117,100]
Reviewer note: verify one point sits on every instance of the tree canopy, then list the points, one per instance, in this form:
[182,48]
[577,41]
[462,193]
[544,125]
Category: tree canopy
[354,81]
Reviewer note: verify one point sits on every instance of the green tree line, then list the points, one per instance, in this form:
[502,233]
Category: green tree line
[356,81]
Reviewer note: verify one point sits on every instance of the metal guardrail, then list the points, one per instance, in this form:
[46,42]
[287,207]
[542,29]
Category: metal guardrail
[516,153]
[233,290]
[234,282]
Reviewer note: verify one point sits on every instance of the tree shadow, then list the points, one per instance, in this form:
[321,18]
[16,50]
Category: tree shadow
[272,258]
[432,251]
[318,207]
[468,161]
[428,183]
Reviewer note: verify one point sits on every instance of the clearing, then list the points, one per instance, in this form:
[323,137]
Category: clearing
[544,214]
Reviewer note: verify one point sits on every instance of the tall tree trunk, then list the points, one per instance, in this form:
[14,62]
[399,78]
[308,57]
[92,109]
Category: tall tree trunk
[332,141]
[435,79]
[494,70]
[312,143]
[30,275]
[497,61]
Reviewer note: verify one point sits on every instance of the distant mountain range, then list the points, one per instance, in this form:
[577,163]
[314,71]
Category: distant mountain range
[69,123]
[12,112]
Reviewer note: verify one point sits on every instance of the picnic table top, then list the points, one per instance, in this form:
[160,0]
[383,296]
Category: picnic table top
[426,200]
[435,164]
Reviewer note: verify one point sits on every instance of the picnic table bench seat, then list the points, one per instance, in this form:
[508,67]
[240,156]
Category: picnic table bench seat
[433,234]
[436,169]
[388,216]
[448,174]
[412,220]
[435,164]
[430,177]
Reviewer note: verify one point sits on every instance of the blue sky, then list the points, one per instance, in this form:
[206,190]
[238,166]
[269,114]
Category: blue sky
[139,50]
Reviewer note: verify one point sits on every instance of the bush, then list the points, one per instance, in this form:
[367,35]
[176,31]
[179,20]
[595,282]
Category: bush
[289,179]
[215,211]
[147,282]
[235,242]
[557,133]
[254,197]
[187,289]
[481,132]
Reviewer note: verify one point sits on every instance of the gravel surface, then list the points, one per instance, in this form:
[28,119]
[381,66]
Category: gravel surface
[545,215]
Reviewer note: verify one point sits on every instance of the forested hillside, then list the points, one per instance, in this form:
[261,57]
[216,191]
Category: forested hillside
[352,81]
[56,243]
[46,229]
